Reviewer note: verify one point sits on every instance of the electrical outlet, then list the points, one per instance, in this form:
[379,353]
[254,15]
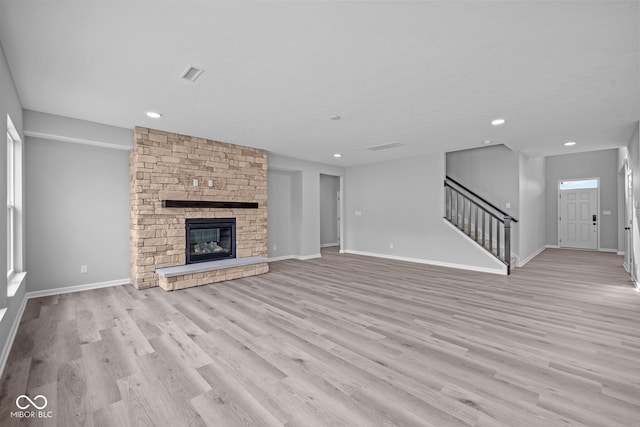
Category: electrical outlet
[83,269]
[390,245]
[195,182]
[275,248]
[210,183]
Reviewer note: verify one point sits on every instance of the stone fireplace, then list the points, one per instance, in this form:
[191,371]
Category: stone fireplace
[198,210]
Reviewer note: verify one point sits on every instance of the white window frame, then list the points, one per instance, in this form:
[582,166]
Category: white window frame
[15,220]
[579,184]
[11,207]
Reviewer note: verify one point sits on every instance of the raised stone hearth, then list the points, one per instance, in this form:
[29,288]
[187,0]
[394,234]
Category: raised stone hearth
[163,167]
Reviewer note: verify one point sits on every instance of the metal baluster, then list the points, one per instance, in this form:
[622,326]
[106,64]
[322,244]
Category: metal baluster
[507,241]
[447,209]
[476,232]
[484,222]
[469,219]
[498,237]
[490,233]
[452,204]
[464,205]
[457,207]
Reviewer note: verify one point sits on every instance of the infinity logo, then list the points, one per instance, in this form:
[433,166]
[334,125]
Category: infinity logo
[31,402]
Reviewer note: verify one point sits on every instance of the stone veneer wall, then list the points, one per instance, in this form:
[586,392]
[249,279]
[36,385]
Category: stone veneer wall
[163,166]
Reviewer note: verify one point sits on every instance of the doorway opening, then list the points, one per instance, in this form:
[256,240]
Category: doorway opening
[330,207]
[578,213]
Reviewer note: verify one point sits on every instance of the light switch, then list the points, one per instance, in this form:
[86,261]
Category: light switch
[508,205]
[210,183]
[195,182]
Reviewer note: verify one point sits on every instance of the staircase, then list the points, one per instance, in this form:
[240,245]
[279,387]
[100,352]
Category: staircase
[480,220]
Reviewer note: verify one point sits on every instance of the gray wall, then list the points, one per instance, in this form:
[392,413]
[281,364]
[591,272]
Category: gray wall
[9,104]
[305,201]
[401,203]
[78,198]
[532,225]
[602,164]
[491,172]
[329,187]
[281,230]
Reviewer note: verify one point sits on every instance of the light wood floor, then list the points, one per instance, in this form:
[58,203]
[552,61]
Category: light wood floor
[342,341]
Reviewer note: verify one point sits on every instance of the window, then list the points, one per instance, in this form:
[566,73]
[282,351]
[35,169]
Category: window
[15,270]
[11,208]
[579,184]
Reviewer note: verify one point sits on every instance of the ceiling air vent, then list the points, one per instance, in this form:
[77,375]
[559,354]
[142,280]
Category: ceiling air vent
[384,146]
[191,73]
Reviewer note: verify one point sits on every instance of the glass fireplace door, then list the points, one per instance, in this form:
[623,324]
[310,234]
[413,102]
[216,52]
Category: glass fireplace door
[210,239]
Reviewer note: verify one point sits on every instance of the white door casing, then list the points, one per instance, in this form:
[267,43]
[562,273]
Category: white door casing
[338,216]
[579,219]
[628,223]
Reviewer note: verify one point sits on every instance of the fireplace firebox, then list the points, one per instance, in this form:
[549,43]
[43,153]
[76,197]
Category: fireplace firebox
[210,239]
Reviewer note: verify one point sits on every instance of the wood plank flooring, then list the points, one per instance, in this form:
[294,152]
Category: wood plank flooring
[343,340]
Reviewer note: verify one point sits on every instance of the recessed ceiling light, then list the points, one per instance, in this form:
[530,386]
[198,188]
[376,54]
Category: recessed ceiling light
[570,143]
[488,141]
[337,155]
[498,122]
[335,117]
[153,115]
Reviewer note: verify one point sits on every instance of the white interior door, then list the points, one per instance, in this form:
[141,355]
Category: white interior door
[578,223]
[628,220]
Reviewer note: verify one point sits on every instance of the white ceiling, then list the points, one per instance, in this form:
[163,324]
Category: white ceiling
[430,75]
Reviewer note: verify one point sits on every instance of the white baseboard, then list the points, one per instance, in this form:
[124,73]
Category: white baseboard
[281,258]
[298,257]
[4,356]
[530,257]
[328,245]
[620,253]
[579,249]
[306,257]
[615,251]
[431,262]
[76,288]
